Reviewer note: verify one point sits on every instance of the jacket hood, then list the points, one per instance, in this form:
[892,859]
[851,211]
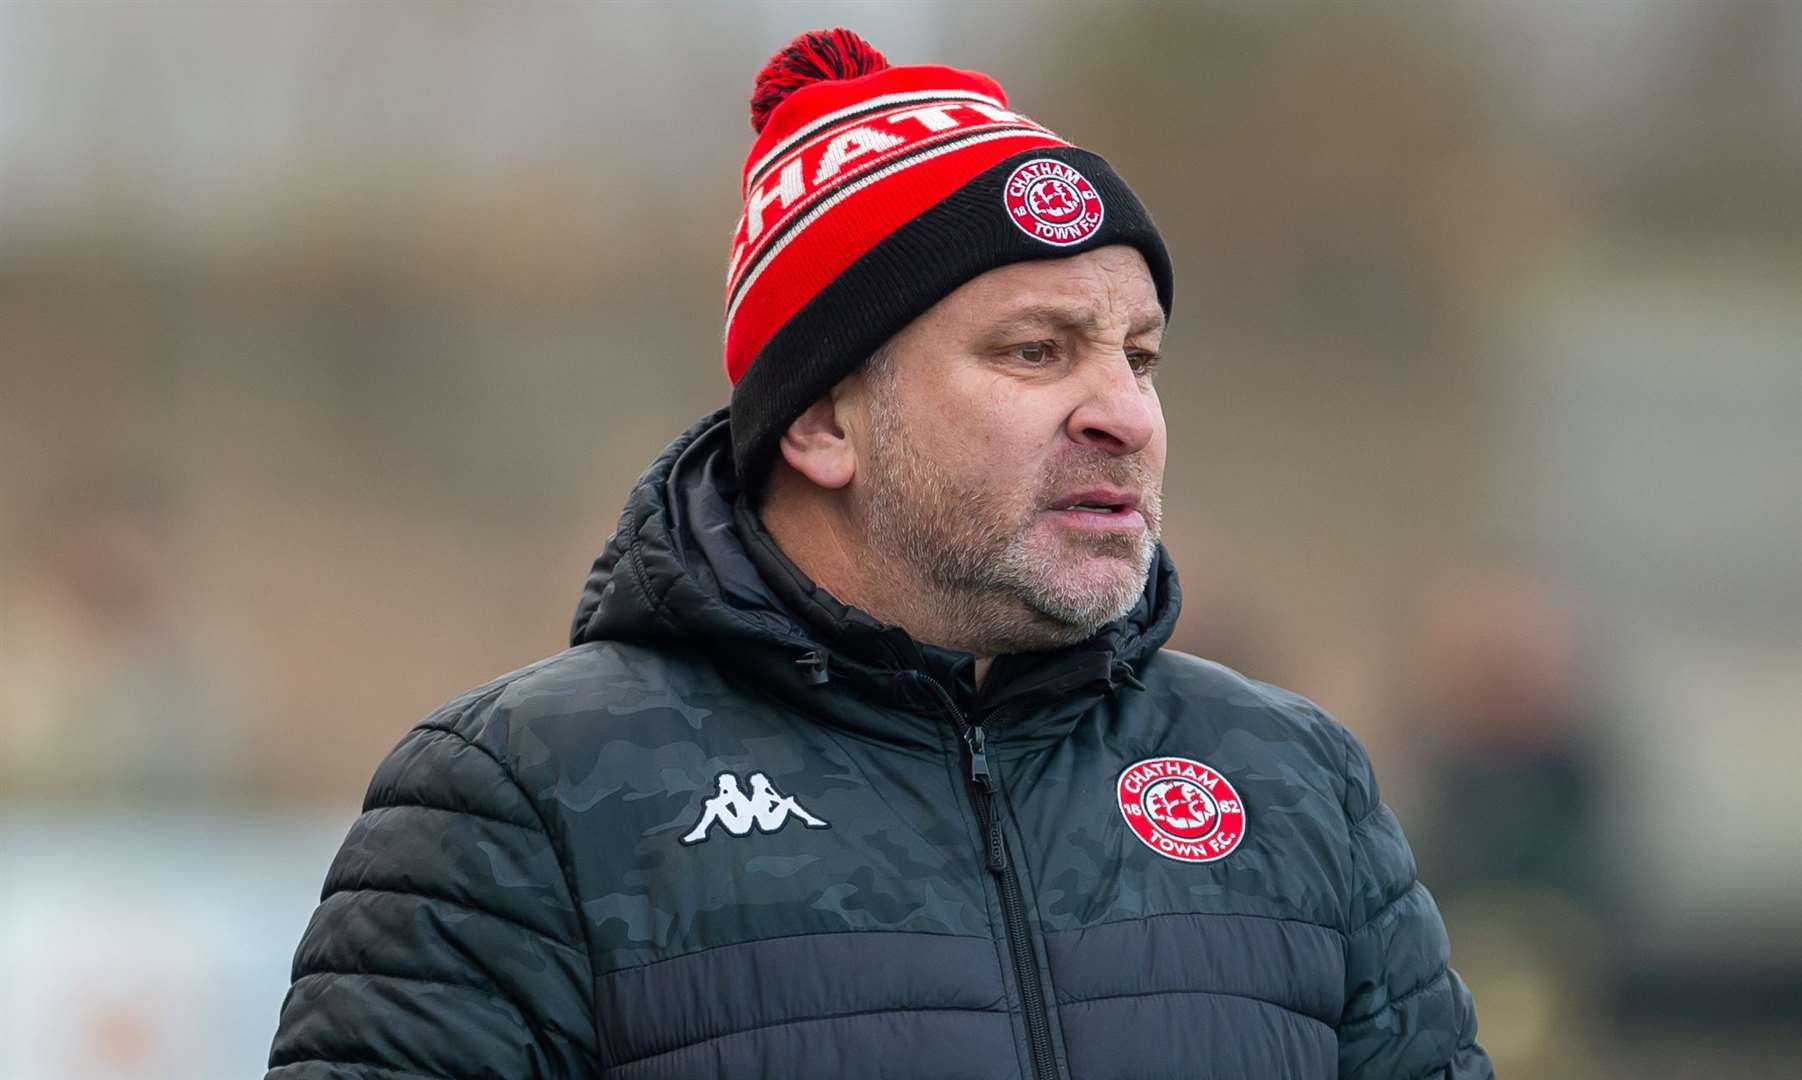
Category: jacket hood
[691,563]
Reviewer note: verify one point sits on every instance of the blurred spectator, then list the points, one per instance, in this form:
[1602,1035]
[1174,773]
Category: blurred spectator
[1516,782]
[106,690]
[1515,788]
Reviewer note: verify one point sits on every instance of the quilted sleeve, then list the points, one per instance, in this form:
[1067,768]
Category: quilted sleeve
[1408,1015]
[446,943]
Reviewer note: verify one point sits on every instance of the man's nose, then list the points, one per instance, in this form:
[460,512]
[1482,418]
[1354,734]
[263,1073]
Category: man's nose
[1118,413]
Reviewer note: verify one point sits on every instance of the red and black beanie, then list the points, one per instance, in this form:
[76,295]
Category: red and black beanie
[872,192]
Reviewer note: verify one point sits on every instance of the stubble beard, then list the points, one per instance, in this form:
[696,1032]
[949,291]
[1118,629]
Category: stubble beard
[989,578]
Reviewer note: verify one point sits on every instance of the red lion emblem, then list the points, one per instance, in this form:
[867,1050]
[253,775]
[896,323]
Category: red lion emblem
[1181,809]
[1052,202]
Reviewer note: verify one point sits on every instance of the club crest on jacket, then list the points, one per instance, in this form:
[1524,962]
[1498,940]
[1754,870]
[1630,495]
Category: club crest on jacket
[764,809]
[1181,809]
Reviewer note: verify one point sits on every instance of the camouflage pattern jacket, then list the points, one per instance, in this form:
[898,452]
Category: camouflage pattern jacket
[738,830]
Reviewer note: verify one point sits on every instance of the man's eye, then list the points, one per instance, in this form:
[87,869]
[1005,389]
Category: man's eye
[1143,362]
[1036,352]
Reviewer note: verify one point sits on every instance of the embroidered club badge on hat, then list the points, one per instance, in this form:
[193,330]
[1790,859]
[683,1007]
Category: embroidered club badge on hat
[1052,202]
[1181,809]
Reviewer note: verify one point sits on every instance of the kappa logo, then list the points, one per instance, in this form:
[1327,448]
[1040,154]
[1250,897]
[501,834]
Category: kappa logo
[1052,202]
[1181,809]
[765,809]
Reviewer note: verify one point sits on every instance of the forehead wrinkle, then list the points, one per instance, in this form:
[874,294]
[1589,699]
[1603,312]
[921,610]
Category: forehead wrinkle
[1068,318]
[1060,316]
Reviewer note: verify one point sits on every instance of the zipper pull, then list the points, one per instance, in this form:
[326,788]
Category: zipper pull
[813,664]
[979,772]
[979,761]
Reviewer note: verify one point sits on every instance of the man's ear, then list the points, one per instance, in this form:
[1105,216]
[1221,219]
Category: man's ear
[818,446]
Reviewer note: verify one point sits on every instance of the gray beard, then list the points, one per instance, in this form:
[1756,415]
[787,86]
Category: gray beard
[972,565]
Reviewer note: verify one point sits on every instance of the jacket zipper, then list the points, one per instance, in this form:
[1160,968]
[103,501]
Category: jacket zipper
[1013,907]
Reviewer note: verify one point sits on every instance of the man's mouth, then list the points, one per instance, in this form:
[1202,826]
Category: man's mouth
[1099,501]
[1105,509]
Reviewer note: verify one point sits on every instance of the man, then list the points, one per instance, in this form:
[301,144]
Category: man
[914,606]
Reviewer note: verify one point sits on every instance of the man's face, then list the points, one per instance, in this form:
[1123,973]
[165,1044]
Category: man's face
[1012,456]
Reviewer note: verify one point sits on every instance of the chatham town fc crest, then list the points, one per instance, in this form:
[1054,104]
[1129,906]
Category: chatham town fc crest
[1181,809]
[764,809]
[1052,202]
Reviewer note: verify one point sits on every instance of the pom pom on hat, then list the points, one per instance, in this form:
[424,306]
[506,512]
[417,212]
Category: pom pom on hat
[816,56]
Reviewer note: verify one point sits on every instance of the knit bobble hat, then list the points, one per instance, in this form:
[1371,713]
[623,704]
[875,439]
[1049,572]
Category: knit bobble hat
[873,191]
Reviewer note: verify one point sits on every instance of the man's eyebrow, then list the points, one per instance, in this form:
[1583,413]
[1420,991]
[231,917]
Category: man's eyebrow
[1067,319]
[1145,324]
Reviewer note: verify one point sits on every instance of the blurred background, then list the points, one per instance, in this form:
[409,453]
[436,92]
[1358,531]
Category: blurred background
[332,335]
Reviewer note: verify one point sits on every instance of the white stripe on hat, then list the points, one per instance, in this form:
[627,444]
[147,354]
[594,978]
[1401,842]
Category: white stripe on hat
[763,259]
[755,173]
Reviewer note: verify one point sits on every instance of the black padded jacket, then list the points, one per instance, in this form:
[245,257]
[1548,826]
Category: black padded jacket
[738,830]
